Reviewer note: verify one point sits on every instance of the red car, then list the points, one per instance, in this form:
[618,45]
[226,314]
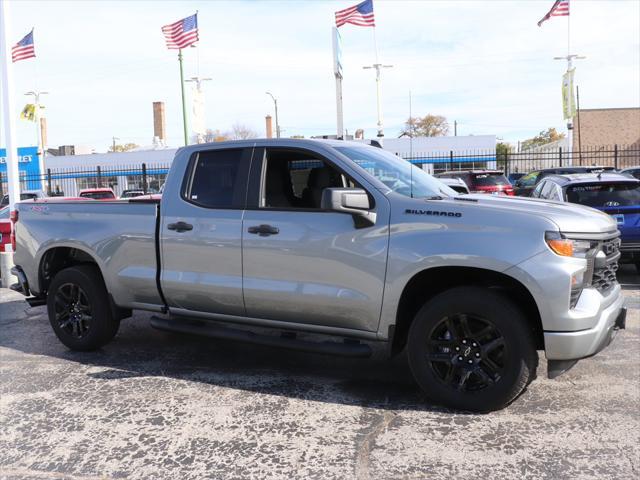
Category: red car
[98,194]
[482,181]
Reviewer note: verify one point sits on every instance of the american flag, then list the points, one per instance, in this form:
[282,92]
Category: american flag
[560,9]
[360,14]
[24,48]
[182,33]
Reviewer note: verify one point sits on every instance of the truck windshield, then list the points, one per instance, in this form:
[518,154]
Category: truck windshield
[605,194]
[396,173]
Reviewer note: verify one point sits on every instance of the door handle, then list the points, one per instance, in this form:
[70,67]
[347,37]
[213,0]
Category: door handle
[180,227]
[264,230]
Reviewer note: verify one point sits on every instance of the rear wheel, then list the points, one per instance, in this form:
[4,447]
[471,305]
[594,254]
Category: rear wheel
[471,349]
[79,308]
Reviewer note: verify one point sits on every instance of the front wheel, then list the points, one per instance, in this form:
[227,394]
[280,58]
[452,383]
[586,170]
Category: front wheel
[79,308]
[470,348]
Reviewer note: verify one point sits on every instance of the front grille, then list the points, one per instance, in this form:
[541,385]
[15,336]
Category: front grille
[604,271]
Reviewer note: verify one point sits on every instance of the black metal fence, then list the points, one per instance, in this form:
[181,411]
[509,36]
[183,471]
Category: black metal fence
[70,181]
[149,178]
[615,156]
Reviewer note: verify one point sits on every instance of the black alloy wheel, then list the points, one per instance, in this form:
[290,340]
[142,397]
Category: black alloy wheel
[466,352]
[72,310]
[80,310]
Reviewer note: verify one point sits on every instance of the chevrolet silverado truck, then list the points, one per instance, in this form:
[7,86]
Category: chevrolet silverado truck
[290,242]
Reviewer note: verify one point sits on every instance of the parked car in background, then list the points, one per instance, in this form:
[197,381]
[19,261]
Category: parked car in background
[133,193]
[613,193]
[632,172]
[98,194]
[482,181]
[25,195]
[456,184]
[525,185]
[5,228]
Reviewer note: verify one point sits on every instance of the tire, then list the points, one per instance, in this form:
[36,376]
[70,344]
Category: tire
[481,367]
[79,308]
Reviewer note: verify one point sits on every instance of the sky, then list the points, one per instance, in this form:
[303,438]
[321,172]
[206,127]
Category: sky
[485,64]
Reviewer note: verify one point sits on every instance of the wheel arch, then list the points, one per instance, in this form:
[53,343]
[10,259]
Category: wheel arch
[428,283]
[59,257]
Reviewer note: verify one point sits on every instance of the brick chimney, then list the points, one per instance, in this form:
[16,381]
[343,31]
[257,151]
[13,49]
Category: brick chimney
[269,126]
[159,129]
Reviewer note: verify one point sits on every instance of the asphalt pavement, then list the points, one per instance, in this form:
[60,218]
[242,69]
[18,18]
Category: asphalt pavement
[153,405]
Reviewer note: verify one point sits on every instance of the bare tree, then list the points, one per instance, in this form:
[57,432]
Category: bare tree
[215,136]
[241,132]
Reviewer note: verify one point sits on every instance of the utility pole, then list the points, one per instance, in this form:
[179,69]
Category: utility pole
[113,145]
[378,67]
[39,128]
[570,58]
[198,118]
[8,106]
[275,104]
[455,128]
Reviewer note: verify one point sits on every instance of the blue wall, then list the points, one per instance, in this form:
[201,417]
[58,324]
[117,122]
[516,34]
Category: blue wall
[28,165]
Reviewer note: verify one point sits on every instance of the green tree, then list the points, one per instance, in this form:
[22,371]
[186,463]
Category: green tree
[427,126]
[546,136]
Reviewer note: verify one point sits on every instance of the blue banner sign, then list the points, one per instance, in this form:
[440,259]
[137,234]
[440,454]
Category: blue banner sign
[28,166]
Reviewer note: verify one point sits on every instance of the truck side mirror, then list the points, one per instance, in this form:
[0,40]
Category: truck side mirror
[354,201]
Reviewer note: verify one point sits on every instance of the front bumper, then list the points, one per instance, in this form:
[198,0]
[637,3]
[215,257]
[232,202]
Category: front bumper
[585,343]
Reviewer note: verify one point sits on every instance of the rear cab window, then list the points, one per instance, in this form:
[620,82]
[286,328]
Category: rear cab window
[217,178]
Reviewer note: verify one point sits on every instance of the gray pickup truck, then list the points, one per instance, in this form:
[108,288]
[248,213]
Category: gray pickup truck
[286,242]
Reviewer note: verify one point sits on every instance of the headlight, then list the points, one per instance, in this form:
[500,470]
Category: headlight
[566,247]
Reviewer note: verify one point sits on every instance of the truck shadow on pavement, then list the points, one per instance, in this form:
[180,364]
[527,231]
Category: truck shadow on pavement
[139,351]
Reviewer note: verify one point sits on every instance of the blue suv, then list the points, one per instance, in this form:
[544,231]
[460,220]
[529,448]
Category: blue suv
[613,193]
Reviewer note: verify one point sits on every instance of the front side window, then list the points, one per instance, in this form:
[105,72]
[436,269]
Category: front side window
[399,175]
[295,179]
[538,190]
[215,181]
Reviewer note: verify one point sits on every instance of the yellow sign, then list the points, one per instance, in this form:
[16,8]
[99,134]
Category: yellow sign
[568,98]
[28,112]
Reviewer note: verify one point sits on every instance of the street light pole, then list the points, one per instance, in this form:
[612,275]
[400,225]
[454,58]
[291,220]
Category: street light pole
[378,67]
[41,143]
[275,104]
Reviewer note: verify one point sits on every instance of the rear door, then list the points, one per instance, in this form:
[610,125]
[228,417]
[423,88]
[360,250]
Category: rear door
[303,264]
[200,234]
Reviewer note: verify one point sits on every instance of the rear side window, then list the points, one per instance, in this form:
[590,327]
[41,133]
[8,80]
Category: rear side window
[489,179]
[216,180]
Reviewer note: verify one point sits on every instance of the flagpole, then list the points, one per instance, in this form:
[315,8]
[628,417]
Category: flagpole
[8,106]
[184,106]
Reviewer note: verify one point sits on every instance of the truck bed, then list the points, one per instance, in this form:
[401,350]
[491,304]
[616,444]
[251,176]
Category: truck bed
[120,235]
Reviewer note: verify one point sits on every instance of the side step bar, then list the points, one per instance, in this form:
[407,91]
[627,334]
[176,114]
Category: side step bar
[199,327]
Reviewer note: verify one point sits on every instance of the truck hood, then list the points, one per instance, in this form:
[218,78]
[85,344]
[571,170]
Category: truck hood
[569,217]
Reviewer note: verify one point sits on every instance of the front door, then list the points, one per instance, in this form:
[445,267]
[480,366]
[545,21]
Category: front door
[302,264]
[200,234]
